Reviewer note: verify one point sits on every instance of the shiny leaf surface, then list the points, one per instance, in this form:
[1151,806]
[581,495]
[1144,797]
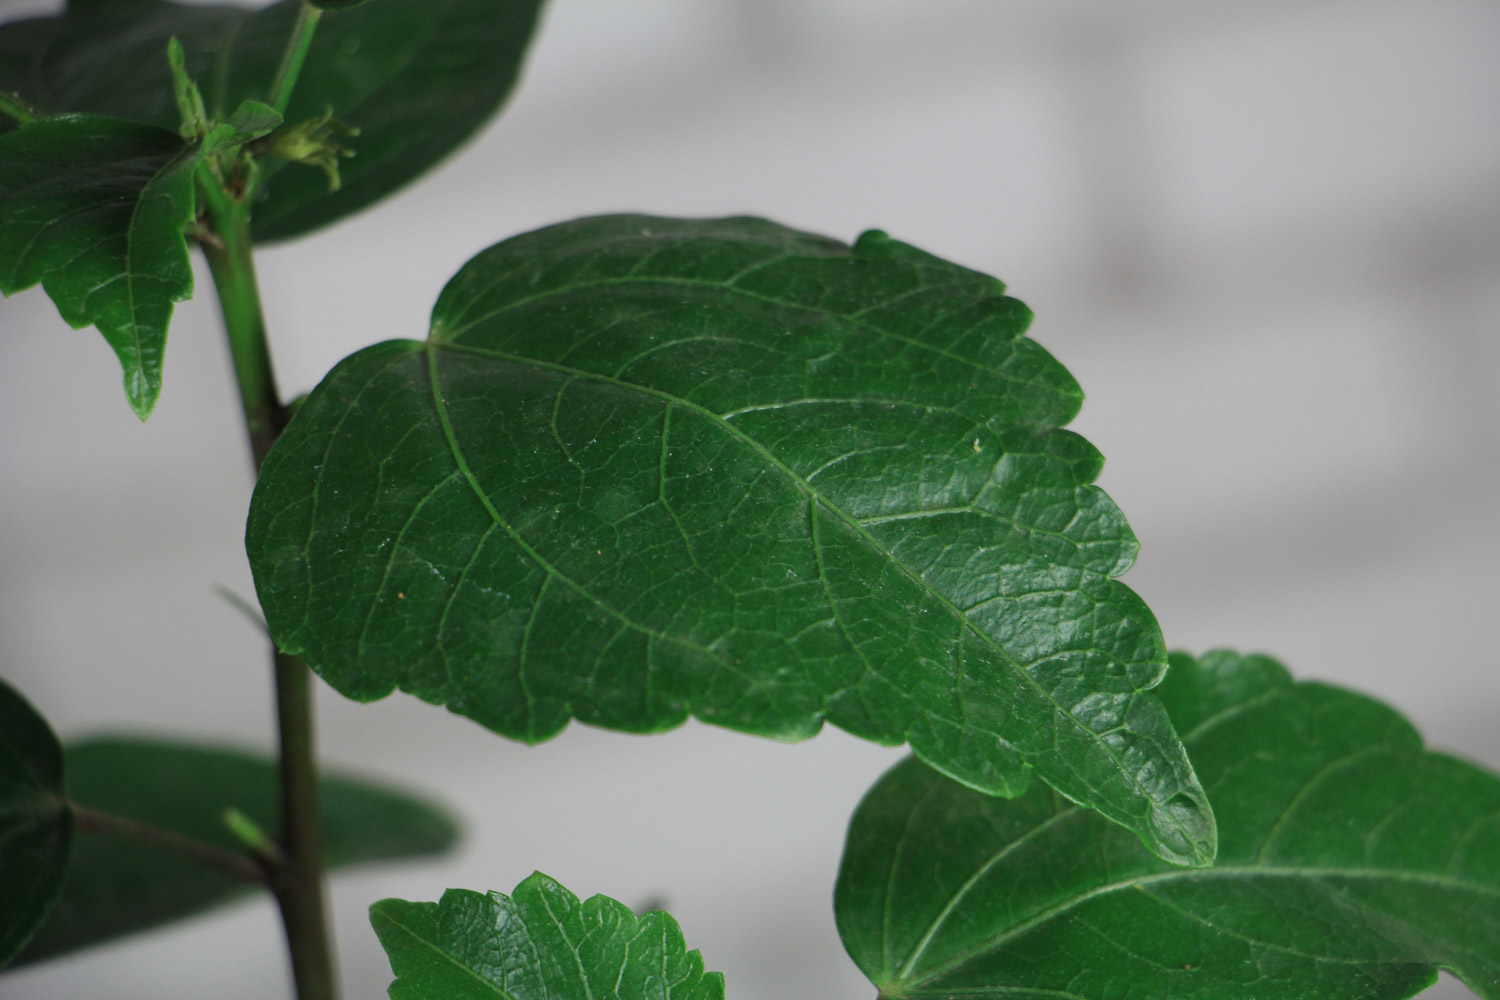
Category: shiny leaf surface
[94,209]
[539,943]
[418,77]
[1352,864]
[646,468]
[118,886]
[36,825]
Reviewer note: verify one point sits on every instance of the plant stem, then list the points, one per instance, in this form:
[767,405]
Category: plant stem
[297,879]
[299,883]
[294,56]
[230,260]
[235,865]
[12,106]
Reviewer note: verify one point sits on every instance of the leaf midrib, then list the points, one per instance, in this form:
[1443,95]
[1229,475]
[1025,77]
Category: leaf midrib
[1190,738]
[813,493]
[1226,872]
[451,439]
[433,947]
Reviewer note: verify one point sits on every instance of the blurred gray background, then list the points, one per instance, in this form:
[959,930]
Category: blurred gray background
[1264,236]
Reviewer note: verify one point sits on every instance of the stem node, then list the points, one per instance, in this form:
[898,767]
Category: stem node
[296,876]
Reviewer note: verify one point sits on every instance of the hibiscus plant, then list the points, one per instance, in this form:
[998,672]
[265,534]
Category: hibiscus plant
[640,469]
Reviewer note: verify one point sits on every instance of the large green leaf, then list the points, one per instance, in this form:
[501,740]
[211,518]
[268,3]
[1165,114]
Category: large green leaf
[540,943]
[1352,864]
[118,885]
[94,209]
[646,468]
[36,825]
[417,77]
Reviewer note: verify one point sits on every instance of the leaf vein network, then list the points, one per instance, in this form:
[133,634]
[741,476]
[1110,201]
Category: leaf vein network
[1017,669]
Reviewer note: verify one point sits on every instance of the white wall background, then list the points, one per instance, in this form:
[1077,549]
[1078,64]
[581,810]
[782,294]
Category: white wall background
[1265,236]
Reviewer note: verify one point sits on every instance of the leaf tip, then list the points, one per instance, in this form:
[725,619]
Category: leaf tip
[142,394]
[1184,831]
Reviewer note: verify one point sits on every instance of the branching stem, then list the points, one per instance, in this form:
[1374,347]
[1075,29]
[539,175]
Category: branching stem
[294,56]
[296,878]
[236,865]
[230,260]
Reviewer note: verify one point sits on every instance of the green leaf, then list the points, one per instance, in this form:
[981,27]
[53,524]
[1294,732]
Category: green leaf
[336,4]
[417,77]
[1352,864]
[118,885]
[540,943]
[36,825]
[94,209]
[250,121]
[646,468]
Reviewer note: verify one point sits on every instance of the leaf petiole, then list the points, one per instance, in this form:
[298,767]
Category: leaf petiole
[16,108]
[236,865]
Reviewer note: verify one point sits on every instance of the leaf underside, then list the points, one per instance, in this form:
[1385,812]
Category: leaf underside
[418,77]
[36,826]
[116,886]
[646,468]
[93,209]
[1352,864]
[540,943]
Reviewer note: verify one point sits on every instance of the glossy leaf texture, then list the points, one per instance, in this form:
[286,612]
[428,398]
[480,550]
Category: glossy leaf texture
[1352,864]
[117,885]
[646,468]
[36,825]
[94,210]
[540,943]
[417,77]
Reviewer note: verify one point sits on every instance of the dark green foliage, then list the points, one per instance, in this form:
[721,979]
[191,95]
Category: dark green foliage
[94,209]
[417,77]
[643,469]
[540,943]
[1352,864]
[36,825]
[117,885]
[646,468]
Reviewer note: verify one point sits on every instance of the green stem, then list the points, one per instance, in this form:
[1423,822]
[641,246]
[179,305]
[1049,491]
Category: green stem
[235,865]
[228,249]
[299,883]
[297,876]
[13,106]
[294,56]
